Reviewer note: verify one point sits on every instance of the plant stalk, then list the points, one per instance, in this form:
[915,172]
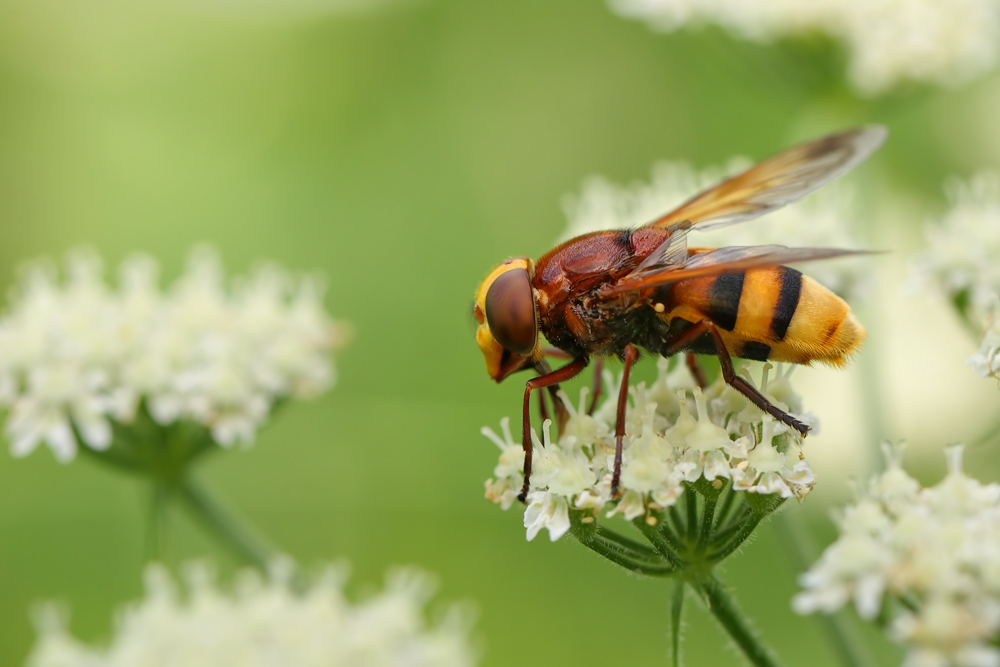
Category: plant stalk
[736,625]
[241,541]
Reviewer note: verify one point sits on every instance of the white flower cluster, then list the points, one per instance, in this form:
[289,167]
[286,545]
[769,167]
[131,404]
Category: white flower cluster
[267,623]
[960,260]
[76,354]
[935,550]
[934,41]
[823,219]
[675,433]
[963,245]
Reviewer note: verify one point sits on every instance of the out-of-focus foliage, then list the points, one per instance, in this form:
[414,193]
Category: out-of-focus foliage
[403,151]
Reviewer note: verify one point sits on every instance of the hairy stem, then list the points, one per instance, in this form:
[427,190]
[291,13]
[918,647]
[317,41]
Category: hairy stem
[635,549]
[664,547]
[742,533]
[676,608]
[707,519]
[736,625]
[617,555]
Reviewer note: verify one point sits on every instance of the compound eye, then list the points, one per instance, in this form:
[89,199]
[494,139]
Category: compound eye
[510,311]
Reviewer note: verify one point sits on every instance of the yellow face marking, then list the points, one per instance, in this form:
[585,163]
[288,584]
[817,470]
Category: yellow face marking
[491,349]
[659,307]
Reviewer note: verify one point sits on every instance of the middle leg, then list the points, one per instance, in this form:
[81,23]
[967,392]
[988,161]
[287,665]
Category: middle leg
[631,355]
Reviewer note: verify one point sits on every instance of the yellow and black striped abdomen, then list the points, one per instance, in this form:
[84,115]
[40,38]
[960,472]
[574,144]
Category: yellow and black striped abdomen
[773,313]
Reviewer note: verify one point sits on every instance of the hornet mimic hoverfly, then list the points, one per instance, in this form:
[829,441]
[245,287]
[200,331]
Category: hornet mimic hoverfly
[606,294]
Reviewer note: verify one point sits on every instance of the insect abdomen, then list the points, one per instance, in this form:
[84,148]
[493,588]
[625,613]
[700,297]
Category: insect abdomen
[772,313]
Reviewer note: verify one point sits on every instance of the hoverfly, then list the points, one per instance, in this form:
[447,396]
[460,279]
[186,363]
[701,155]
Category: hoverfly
[607,294]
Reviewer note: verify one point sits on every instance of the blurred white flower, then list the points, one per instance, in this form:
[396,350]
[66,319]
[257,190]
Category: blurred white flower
[986,362]
[824,219]
[77,355]
[943,42]
[960,260]
[723,439]
[935,550]
[266,623]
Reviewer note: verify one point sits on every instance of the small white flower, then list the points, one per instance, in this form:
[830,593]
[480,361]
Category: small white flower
[888,41]
[262,622]
[664,447]
[765,470]
[78,355]
[546,510]
[936,547]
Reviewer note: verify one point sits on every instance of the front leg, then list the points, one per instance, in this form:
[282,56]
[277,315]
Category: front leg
[563,374]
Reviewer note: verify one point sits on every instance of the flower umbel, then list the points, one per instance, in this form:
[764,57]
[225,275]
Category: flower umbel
[267,621]
[888,41]
[683,437]
[700,470]
[962,246]
[84,361]
[926,561]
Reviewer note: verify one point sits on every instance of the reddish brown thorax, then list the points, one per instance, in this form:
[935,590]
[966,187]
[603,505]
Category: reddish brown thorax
[566,279]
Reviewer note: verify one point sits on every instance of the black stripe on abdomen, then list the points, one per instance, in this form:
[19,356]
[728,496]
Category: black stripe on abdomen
[724,300]
[754,351]
[788,301]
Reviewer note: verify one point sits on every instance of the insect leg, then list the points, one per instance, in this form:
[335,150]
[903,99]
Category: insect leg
[730,376]
[543,409]
[562,415]
[598,366]
[567,372]
[696,370]
[631,355]
[556,352]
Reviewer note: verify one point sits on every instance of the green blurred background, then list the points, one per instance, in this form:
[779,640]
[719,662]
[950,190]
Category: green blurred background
[403,150]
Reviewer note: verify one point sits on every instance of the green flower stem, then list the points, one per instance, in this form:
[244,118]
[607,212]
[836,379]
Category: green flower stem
[240,540]
[664,547]
[735,623]
[725,529]
[594,541]
[672,538]
[845,641]
[676,521]
[691,501]
[743,530]
[722,513]
[156,546]
[636,549]
[707,519]
[676,608]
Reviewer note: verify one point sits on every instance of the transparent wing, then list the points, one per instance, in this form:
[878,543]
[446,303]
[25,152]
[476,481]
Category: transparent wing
[778,180]
[725,260]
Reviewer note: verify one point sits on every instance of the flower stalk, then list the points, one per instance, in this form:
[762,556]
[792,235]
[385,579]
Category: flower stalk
[688,553]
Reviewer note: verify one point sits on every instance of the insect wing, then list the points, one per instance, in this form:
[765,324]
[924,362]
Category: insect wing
[778,180]
[727,260]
